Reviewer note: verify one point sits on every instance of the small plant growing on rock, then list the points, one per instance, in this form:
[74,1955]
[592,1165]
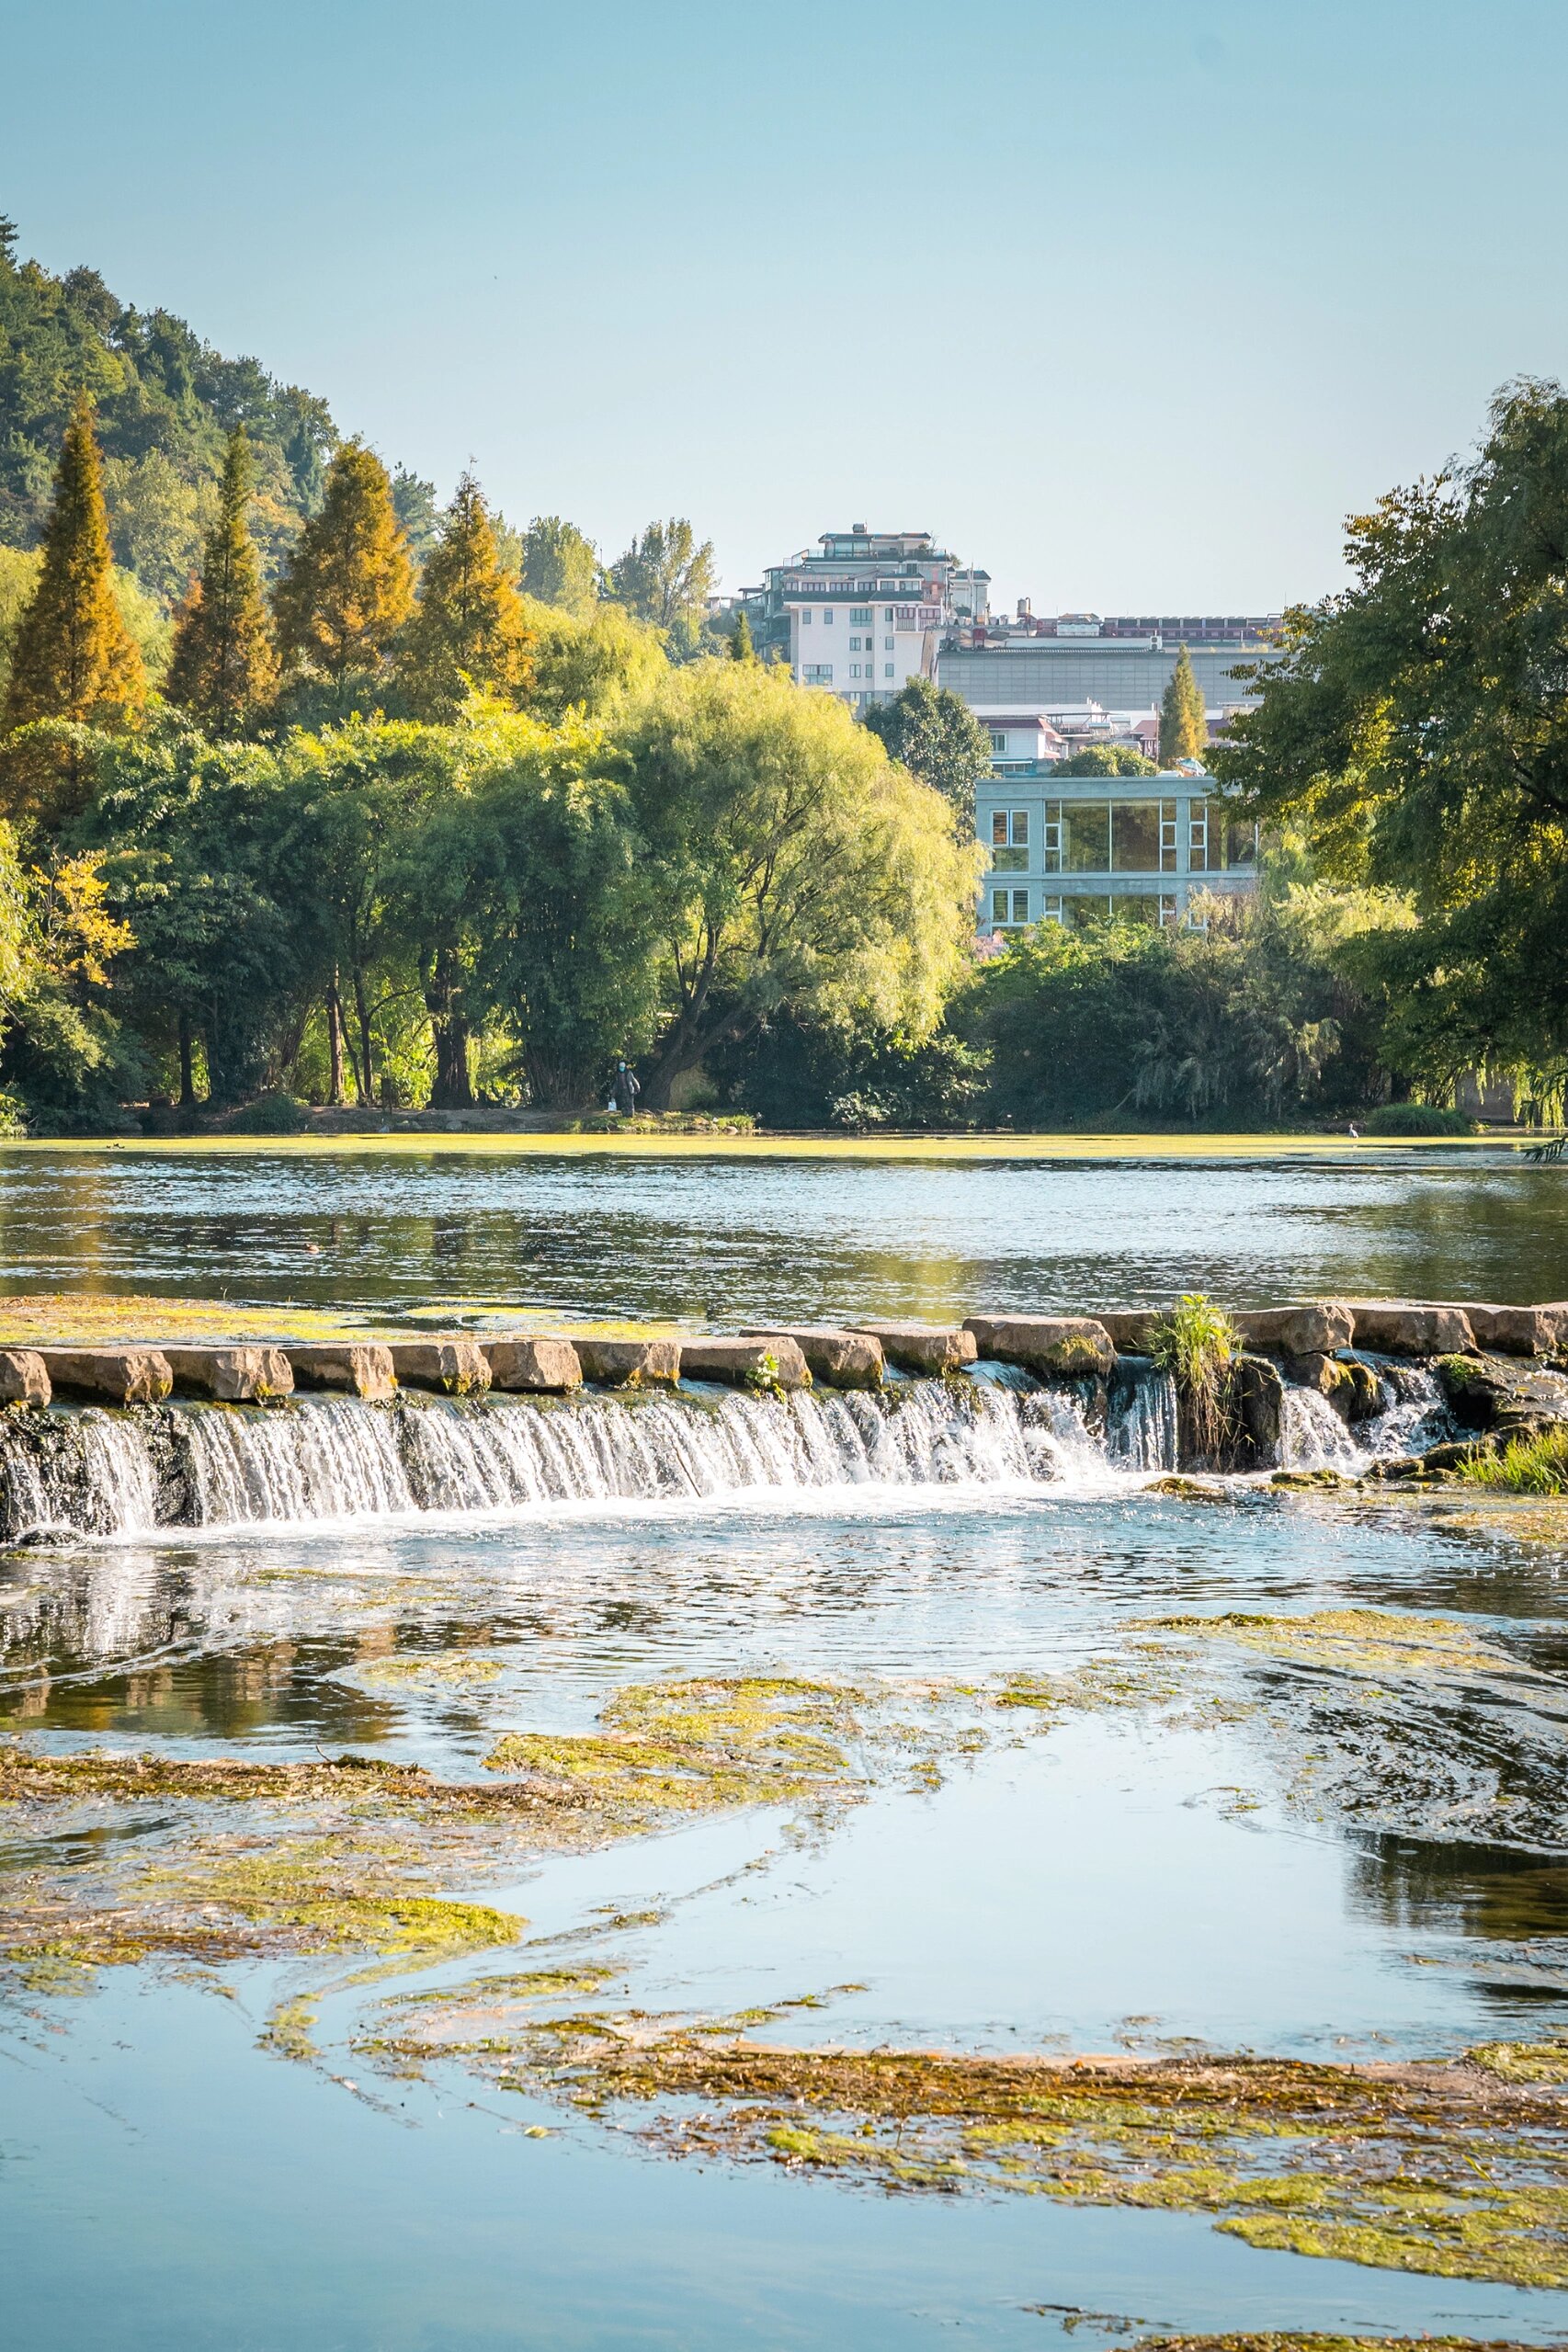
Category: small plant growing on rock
[764,1375]
[1197,1343]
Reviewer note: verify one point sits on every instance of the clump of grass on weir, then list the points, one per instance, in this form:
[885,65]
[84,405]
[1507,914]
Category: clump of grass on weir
[1196,1342]
[1537,1465]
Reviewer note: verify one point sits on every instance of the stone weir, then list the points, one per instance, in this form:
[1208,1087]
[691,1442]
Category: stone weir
[131,1439]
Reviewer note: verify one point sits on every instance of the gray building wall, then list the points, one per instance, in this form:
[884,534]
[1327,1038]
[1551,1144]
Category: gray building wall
[1050,672]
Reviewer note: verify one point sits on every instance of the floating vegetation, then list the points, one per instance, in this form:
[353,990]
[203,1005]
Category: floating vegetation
[1446,2169]
[697,1745]
[1298,2341]
[1534,1465]
[412,1674]
[1353,1640]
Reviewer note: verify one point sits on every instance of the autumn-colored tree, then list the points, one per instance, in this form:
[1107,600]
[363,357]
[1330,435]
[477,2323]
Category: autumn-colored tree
[349,589]
[469,629]
[224,664]
[1183,721]
[74,658]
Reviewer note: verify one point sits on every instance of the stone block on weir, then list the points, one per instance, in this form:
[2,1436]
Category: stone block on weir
[1520,1331]
[547,1366]
[630,1363]
[1312,1327]
[240,1375]
[452,1367]
[359,1368]
[839,1359]
[1128,1328]
[1395,1327]
[925,1347]
[773,1362]
[24,1376]
[1051,1347]
[109,1375]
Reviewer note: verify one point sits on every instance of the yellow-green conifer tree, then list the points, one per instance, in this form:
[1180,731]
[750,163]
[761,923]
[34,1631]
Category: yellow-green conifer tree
[74,658]
[348,590]
[469,629]
[224,666]
[1184,723]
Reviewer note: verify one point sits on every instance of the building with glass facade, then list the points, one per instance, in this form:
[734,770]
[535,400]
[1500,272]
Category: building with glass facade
[1072,849]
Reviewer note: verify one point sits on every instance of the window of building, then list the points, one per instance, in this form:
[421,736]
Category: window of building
[887,669]
[1085,837]
[998,743]
[818,672]
[1167,910]
[855,645]
[1135,836]
[1197,858]
[1020,906]
[1083,911]
[805,618]
[1051,910]
[854,669]
[999,906]
[860,617]
[888,613]
[1241,845]
[1009,825]
[827,615]
[1167,836]
[887,642]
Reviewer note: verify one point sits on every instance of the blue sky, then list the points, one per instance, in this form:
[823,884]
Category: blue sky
[1130,302]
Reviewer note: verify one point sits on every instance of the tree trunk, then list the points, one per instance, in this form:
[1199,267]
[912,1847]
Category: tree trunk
[448,1027]
[335,1042]
[187,1064]
[367,1058]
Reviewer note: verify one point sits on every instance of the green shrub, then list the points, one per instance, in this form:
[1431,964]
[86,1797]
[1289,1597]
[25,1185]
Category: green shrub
[1418,1118]
[273,1114]
[1529,1466]
[1196,1342]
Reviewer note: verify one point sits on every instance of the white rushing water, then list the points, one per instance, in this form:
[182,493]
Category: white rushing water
[323,1460]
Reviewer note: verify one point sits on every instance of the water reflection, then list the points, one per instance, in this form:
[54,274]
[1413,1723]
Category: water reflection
[716,1239]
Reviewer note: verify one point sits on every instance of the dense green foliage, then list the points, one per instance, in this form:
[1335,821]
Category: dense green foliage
[1261,1014]
[1106,760]
[1417,727]
[938,738]
[165,404]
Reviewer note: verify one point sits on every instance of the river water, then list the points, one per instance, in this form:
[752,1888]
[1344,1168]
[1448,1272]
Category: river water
[1128,1882]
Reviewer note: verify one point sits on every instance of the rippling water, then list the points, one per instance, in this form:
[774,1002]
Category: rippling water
[1119,1882]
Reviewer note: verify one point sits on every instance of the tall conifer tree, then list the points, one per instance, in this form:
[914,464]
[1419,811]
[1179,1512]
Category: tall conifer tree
[1184,720]
[349,589]
[74,658]
[224,664]
[469,628]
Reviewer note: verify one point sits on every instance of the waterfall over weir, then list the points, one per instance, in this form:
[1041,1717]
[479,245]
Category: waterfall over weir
[94,1472]
[321,1459]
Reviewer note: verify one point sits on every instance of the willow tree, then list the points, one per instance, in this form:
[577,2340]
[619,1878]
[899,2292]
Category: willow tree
[224,666]
[795,867]
[1183,719]
[347,592]
[74,659]
[470,631]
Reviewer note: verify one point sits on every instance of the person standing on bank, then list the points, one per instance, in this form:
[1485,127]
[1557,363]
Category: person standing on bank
[627,1087]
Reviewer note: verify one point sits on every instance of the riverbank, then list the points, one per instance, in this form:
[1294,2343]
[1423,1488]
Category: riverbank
[996,1145]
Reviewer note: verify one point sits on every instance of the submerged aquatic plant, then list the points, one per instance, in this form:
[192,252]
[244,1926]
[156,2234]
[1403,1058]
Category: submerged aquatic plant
[1453,2170]
[1537,1465]
[1197,1343]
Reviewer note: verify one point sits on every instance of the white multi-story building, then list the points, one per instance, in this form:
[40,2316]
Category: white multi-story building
[867,614]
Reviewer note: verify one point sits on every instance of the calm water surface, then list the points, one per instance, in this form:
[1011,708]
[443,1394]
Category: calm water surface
[724,1241]
[1116,1884]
